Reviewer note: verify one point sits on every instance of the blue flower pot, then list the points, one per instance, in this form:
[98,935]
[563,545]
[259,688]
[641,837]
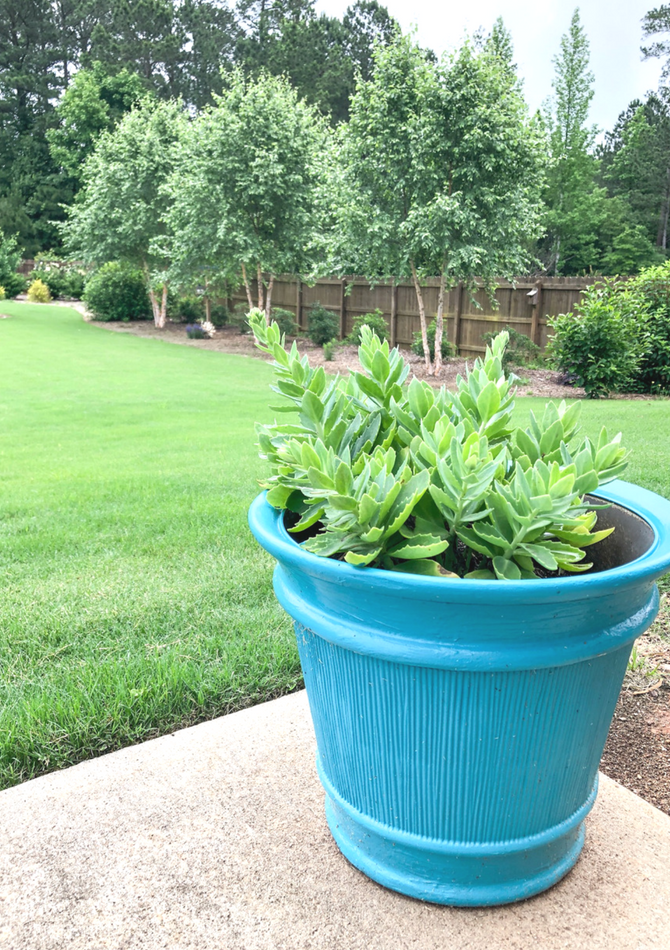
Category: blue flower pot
[460,724]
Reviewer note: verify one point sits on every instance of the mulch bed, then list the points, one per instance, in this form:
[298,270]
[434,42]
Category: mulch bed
[637,753]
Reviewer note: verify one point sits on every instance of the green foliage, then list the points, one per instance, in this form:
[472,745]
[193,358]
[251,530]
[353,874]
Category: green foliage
[258,158]
[448,350]
[285,320]
[219,314]
[322,325]
[195,331]
[189,309]
[117,291]
[38,292]
[425,481]
[92,104]
[62,279]
[601,346]
[3,295]
[329,351]
[520,349]
[652,287]
[240,318]
[10,256]
[375,321]
[118,212]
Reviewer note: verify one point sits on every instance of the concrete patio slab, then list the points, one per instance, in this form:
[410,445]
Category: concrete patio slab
[214,839]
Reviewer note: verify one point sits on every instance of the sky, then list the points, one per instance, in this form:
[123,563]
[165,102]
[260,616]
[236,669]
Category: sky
[612,26]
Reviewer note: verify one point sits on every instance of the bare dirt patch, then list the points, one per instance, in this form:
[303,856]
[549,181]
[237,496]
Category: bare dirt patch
[637,753]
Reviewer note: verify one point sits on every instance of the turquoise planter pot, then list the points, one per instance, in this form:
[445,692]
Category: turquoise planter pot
[460,724]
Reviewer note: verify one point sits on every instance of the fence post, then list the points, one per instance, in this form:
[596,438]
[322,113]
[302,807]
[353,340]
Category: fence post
[394,313]
[298,303]
[343,309]
[457,317]
[537,312]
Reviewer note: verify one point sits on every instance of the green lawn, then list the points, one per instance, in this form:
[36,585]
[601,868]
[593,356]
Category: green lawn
[133,598]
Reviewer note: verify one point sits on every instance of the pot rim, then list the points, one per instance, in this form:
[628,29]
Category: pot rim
[267,525]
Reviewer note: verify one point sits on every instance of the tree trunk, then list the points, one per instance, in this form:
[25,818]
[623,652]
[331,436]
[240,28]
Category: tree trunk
[154,307]
[247,288]
[208,309]
[422,319]
[268,298]
[439,322]
[261,288]
[163,311]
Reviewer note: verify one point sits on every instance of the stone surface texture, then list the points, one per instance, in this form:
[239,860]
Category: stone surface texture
[214,838]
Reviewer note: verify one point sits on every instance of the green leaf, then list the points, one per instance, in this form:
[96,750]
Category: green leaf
[505,569]
[426,567]
[420,546]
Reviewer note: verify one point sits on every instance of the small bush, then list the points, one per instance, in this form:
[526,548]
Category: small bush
[375,321]
[62,281]
[652,287]
[14,284]
[38,292]
[329,350]
[2,293]
[10,256]
[219,314]
[117,292]
[323,325]
[189,309]
[446,348]
[285,320]
[240,317]
[520,351]
[601,346]
[195,331]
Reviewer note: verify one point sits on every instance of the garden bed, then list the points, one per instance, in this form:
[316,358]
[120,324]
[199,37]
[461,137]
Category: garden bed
[534,382]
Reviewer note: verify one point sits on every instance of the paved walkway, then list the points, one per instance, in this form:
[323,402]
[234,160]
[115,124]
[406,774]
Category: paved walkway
[214,839]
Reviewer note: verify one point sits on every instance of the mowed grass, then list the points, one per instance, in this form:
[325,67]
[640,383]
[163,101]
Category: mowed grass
[133,598]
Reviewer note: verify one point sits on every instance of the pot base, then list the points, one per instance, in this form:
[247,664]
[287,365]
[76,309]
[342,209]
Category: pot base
[455,873]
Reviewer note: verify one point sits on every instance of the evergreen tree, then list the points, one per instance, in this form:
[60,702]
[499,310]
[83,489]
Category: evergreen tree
[575,204]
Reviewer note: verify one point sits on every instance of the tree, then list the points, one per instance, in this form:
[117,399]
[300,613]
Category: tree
[657,23]
[636,164]
[118,214]
[93,103]
[244,195]
[575,203]
[439,173]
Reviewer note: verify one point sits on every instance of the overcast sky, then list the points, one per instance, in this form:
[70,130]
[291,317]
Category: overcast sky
[612,26]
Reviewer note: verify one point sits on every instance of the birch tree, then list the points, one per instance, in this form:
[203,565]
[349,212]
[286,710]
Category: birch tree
[244,196]
[440,174]
[119,213]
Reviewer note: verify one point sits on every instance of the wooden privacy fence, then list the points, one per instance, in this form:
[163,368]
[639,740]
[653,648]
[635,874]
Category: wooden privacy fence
[523,305]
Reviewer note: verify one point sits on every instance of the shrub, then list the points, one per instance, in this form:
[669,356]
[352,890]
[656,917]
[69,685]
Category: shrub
[447,348]
[375,321]
[195,331]
[10,255]
[38,292]
[601,346]
[62,279]
[117,292]
[2,293]
[285,320]
[190,309]
[323,325]
[219,314]
[329,350]
[240,317]
[652,287]
[520,351]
